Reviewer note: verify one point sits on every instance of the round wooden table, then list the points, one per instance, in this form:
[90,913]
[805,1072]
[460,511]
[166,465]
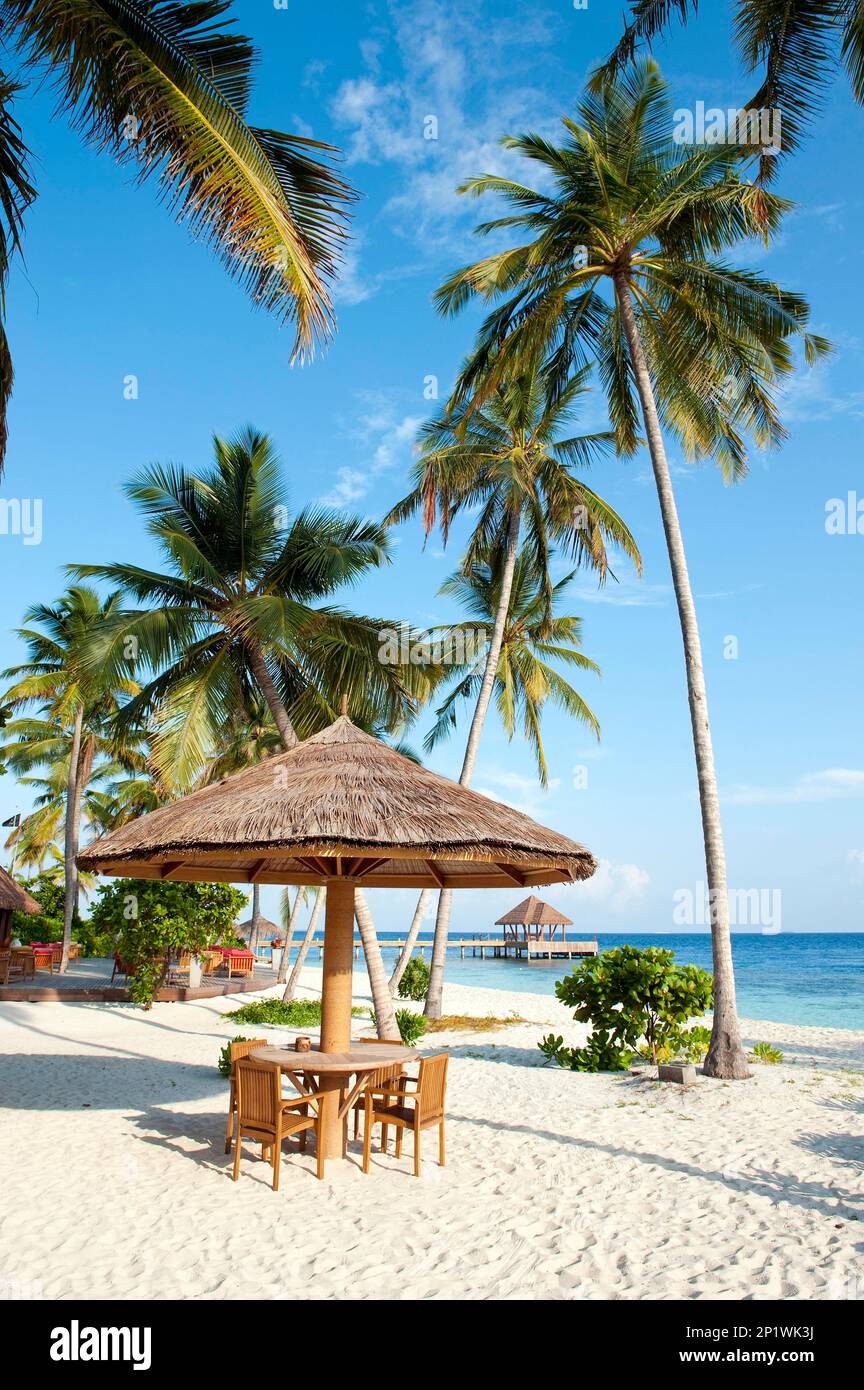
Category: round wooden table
[334,1070]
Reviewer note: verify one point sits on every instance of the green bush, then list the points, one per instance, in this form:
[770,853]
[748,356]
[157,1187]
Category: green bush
[48,924]
[637,1001]
[764,1052]
[224,1063]
[415,981]
[411,1026]
[275,1013]
[151,920]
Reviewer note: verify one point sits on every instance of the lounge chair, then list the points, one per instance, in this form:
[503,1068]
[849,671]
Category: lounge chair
[264,1117]
[238,1051]
[414,1110]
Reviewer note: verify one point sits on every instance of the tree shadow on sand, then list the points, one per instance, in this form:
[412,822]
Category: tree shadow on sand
[44,1081]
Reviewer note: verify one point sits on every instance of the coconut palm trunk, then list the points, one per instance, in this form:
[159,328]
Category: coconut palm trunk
[282,974]
[294,979]
[268,689]
[726,1058]
[434,997]
[70,837]
[382,1003]
[413,932]
[255,927]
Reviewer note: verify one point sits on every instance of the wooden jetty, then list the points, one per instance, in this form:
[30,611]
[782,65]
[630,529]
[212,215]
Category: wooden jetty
[496,948]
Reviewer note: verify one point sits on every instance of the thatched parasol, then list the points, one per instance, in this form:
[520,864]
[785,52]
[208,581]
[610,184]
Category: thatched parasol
[345,811]
[265,928]
[13,899]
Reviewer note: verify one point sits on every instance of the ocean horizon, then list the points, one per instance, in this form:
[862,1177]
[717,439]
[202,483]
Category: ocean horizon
[810,978]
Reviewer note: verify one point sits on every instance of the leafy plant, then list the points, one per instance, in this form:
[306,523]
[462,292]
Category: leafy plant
[764,1052]
[153,920]
[411,1026]
[299,1013]
[224,1063]
[600,1053]
[415,981]
[634,1000]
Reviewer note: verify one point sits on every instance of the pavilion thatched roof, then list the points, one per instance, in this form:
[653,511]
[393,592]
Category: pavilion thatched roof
[533,912]
[341,804]
[15,899]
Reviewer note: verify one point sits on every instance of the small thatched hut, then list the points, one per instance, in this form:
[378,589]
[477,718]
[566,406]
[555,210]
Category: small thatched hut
[13,899]
[533,913]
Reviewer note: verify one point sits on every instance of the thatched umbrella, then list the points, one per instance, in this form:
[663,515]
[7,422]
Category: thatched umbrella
[533,912]
[13,899]
[264,925]
[342,810]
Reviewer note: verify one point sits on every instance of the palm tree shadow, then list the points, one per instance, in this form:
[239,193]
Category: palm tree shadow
[818,1197]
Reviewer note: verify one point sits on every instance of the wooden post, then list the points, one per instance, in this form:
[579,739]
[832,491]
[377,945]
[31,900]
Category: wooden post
[336,1003]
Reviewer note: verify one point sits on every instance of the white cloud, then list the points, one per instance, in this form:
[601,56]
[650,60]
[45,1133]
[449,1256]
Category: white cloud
[519,792]
[350,485]
[834,783]
[616,886]
[447,62]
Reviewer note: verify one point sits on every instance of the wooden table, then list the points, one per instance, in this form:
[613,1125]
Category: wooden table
[334,1070]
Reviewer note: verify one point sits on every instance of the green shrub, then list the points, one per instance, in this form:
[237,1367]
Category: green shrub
[48,924]
[224,1063]
[635,1000]
[275,1013]
[764,1052]
[411,1026]
[152,920]
[415,981]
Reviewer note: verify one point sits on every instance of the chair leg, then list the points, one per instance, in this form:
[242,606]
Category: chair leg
[367,1142]
[399,1133]
[416,1149]
[277,1154]
[229,1133]
[385,1138]
[441,1142]
[319,1150]
[237,1154]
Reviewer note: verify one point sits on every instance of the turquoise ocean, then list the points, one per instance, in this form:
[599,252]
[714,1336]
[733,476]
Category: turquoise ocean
[814,978]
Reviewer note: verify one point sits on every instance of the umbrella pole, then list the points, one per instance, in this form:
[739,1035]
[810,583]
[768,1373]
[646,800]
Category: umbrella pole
[336,1004]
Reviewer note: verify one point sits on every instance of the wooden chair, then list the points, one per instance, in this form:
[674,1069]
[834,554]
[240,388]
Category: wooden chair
[23,962]
[267,1119]
[5,966]
[241,964]
[238,1051]
[383,1083]
[45,958]
[426,1108]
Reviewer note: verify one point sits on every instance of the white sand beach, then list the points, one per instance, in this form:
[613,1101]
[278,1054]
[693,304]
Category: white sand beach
[557,1186]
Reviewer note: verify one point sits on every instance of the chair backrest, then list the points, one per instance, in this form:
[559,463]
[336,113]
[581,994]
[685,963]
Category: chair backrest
[393,1070]
[259,1090]
[242,1049]
[432,1084]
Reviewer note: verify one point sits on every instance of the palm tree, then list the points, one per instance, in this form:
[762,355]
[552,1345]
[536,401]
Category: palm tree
[289,912]
[291,987]
[237,609]
[797,44]
[535,641]
[80,706]
[165,90]
[703,344]
[504,455]
[234,613]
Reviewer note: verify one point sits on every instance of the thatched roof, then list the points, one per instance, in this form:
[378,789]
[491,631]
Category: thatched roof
[342,804]
[265,928]
[533,912]
[15,899]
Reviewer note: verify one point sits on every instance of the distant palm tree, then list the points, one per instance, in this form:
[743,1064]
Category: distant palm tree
[687,340]
[238,609]
[79,707]
[164,89]
[536,641]
[507,456]
[797,45]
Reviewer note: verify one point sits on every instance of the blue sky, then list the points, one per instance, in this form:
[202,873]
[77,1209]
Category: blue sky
[113,288]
